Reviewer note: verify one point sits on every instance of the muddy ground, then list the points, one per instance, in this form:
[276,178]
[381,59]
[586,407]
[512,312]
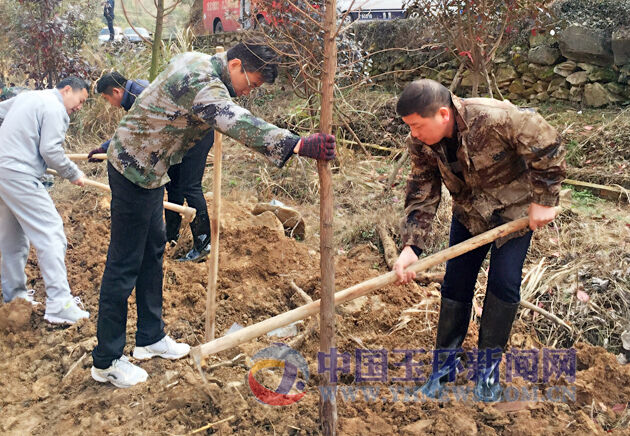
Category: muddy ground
[46,388]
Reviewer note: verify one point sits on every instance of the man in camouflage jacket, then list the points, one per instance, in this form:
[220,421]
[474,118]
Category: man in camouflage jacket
[190,97]
[185,177]
[499,163]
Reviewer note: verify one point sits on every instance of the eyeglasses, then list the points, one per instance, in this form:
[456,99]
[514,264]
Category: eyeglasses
[249,84]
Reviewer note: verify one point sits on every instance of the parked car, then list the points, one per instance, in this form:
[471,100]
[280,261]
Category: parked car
[366,10]
[103,35]
[137,34]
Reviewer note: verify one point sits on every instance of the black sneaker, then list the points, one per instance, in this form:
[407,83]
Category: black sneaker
[195,255]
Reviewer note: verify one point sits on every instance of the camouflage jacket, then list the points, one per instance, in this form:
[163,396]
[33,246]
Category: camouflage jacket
[190,97]
[507,158]
[7,92]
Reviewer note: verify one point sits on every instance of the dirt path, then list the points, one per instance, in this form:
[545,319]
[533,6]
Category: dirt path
[46,388]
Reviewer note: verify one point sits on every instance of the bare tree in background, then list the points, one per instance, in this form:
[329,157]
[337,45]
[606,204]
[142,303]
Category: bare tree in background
[474,30]
[295,30]
[161,11]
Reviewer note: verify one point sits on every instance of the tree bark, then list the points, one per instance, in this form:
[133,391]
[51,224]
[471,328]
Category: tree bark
[156,51]
[327,405]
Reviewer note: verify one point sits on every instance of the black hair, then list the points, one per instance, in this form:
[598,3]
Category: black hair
[256,57]
[76,83]
[109,81]
[423,97]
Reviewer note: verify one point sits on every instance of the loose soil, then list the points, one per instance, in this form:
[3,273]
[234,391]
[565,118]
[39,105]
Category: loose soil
[46,387]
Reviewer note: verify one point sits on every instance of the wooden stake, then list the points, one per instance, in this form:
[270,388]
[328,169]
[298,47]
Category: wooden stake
[187,212]
[284,319]
[213,264]
[614,193]
[327,404]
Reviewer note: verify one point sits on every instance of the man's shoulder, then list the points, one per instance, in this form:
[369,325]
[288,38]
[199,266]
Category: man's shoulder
[487,105]
[191,60]
[489,111]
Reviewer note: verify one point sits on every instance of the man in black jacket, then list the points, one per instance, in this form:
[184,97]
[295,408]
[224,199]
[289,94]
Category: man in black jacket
[185,177]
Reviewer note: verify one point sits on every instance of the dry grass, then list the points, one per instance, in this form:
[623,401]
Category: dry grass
[586,254]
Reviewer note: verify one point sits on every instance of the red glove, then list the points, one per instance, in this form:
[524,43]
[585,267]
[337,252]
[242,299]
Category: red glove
[99,150]
[318,146]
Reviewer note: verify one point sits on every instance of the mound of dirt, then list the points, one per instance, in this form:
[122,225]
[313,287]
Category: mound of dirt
[46,387]
[15,316]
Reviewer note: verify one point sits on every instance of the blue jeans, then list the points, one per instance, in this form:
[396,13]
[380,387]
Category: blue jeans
[504,276]
[134,259]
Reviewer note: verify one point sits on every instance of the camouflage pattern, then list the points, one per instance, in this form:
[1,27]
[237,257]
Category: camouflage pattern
[190,97]
[508,158]
[7,92]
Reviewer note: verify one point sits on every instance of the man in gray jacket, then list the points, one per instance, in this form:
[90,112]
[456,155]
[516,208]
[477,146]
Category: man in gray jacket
[32,130]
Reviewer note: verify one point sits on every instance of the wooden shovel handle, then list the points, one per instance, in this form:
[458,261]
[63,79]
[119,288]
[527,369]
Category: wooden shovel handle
[253,331]
[84,156]
[187,212]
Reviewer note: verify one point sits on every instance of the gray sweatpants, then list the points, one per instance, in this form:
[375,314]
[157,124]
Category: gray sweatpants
[27,213]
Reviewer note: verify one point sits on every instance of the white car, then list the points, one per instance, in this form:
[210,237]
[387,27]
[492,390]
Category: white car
[367,10]
[103,35]
[136,35]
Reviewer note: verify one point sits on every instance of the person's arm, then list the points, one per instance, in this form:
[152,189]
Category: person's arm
[215,107]
[52,134]
[541,147]
[4,108]
[421,203]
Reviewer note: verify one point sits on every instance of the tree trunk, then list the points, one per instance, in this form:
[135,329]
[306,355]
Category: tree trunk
[487,76]
[327,405]
[157,40]
[458,77]
[195,21]
[474,75]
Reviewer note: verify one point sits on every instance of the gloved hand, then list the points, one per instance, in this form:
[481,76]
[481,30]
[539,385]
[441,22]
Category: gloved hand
[318,146]
[99,150]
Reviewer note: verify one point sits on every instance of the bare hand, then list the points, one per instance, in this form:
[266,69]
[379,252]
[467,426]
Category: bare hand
[79,182]
[539,215]
[406,258]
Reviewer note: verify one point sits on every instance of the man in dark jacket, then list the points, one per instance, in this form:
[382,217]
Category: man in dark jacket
[108,13]
[185,177]
[500,163]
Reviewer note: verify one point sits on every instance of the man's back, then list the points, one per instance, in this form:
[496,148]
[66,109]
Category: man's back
[32,134]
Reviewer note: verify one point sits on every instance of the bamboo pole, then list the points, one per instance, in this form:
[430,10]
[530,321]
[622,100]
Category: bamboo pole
[251,332]
[213,264]
[187,212]
[327,404]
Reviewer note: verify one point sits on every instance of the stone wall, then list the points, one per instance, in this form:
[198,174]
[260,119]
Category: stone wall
[578,64]
[207,43]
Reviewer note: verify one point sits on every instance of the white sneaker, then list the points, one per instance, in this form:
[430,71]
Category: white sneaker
[165,347]
[69,314]
[29,296]
[121,373]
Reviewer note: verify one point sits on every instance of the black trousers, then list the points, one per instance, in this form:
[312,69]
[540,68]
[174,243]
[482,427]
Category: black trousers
[134,259]
[504,276]
[186,184]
